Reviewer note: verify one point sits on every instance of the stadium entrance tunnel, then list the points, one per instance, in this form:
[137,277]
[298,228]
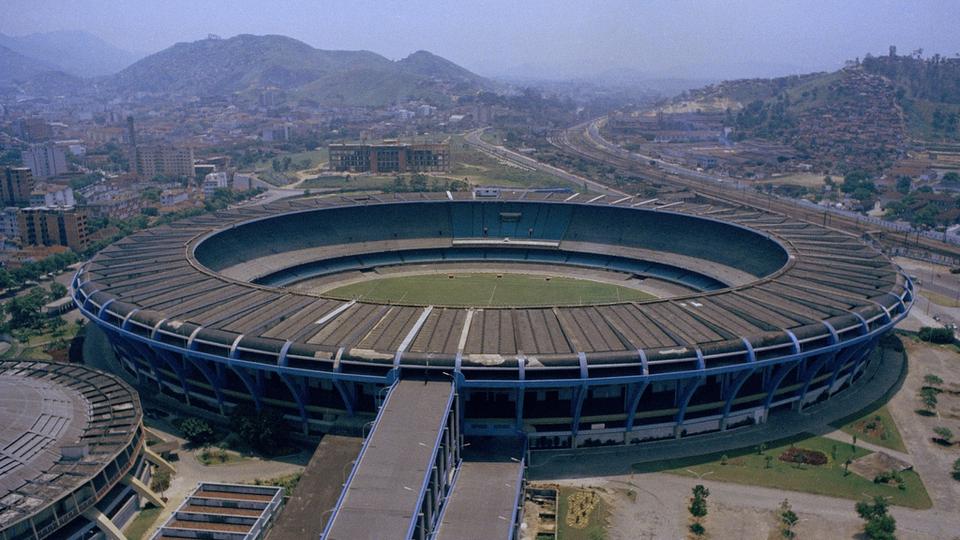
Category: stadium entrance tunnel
[783,314]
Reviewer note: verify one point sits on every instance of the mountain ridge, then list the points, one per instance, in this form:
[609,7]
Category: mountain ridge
[246,63]
[74,52]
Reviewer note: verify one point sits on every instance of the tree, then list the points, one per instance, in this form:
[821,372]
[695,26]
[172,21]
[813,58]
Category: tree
[697,529]
[6,279]
[264,431]
[879,524]
[944,435]
[24,310]
[698,505]
[56,326]
[160,481]
[788,520]
[903,184]
[197,430]
[57,290]
[932,380]
[928,396]
[956,469]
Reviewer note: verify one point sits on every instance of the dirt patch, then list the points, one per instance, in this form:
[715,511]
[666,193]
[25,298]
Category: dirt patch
[871,427]
[871,465]
[803,456]
[581,505]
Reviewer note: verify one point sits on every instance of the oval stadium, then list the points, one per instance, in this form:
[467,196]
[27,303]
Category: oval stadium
[738,312]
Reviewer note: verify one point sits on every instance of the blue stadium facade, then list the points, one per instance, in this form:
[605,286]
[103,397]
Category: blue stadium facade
[773,313]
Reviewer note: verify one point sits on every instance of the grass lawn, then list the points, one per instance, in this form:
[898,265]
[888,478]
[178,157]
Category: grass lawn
[316,157]
[486,290]
[138,528]
[288,482]
[877,427]
[748,467]
[940,299]
[597,519]
[35,347]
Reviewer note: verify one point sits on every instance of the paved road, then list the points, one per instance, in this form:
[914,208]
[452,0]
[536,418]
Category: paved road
[662,498]
[473,139]
[845,437]
[932,461]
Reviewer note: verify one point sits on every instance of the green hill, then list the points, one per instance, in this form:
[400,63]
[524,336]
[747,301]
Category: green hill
[245,63]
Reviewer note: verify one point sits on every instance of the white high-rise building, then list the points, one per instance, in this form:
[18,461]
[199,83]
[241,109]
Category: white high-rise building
[45,160]
[214,181]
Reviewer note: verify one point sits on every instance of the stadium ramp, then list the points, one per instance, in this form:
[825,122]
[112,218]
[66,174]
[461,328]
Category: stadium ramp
[409,480]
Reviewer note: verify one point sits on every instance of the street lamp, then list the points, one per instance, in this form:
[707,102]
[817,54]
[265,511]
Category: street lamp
[698,475]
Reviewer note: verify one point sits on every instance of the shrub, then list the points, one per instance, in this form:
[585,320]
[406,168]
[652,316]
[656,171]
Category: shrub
[936,335]
[264,431]
[802,455]
[197,430]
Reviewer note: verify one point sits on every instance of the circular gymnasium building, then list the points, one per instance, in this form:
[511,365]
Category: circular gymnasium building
[742,312]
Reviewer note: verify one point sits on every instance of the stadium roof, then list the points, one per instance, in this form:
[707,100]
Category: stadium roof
[60,425]
[152,284]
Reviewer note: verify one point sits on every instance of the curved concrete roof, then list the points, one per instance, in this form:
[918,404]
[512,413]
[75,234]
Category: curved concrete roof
[831,284]
[60,425]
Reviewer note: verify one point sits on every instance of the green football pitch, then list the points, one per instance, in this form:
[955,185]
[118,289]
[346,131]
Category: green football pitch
[486,290]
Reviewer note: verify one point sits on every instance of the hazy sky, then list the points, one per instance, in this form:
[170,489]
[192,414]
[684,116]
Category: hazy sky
[561,38]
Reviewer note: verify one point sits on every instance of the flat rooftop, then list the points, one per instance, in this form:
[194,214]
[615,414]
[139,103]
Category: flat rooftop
[305,514]
[223,511]
[481,505]
[486,492]
[383,495]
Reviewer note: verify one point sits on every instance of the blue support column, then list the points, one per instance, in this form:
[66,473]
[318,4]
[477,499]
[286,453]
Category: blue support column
[809,374]
[151,359]
[864,355]
[684,399]
[634,394]
[177,369]
[521,392]
[296,386]
[212,377]
[730,393]
[345,389]
[577,401]
[253,388]
[773,384]
[731,390]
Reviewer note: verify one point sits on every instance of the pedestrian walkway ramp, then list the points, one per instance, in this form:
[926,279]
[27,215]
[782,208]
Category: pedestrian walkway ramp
[405,468]
[485,502]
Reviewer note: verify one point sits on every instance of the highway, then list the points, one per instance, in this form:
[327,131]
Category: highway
[503,153]
[584,140]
